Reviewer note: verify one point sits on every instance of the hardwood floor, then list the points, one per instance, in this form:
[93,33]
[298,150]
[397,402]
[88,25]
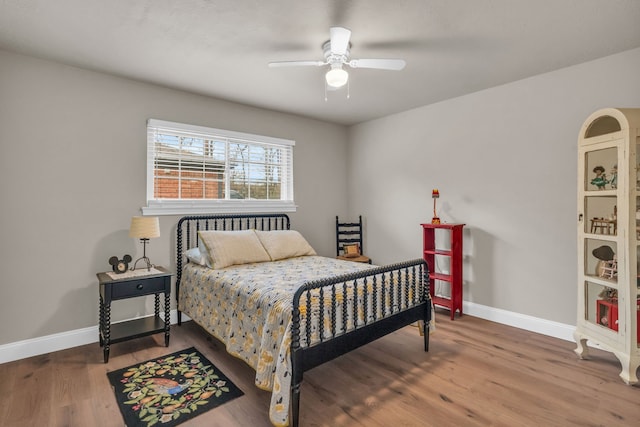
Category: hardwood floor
[477,373]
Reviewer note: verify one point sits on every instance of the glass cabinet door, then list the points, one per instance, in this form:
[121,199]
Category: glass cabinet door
[600,230]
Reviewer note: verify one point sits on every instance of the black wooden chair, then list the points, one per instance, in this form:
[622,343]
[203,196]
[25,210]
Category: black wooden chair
[349,241]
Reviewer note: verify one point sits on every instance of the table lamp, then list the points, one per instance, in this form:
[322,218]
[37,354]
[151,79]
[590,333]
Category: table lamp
[144,228]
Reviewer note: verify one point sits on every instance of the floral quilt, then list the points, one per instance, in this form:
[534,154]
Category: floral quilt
[249,308]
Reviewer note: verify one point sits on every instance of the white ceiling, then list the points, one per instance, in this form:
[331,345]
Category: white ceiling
[221,48]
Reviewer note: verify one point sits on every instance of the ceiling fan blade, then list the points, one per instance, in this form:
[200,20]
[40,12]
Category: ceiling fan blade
[339,40]
[296,64]
[382,64]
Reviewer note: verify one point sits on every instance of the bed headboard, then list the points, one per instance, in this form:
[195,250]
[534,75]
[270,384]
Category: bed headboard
[188,227]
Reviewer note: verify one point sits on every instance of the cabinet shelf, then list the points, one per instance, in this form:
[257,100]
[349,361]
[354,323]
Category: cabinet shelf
[600,193]
[443,252]
[441,276]
[602,281]
[123,331]
[441,300]
[608,237]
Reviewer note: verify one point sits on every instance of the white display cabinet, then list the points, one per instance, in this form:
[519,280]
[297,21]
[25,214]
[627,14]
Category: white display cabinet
[608,219]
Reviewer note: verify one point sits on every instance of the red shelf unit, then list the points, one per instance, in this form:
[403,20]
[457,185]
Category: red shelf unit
[454,278]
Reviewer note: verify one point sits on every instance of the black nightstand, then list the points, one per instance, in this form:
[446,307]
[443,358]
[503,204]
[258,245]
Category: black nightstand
[130,287]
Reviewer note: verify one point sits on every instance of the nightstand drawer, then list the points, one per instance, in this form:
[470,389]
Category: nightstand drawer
[138,287]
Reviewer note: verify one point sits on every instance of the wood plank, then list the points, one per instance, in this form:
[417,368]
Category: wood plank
[477,373]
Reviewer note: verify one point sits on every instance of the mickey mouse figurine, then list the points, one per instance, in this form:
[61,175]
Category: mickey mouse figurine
[120,265]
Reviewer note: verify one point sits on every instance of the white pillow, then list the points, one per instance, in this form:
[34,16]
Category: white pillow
[282,244]
[233,247]
[204,252]
[197,257]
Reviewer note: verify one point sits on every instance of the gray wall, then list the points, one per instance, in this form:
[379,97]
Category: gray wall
[72,173]
[505,162]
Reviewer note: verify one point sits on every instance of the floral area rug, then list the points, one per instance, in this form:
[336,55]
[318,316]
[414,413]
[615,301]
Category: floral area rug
[170,389]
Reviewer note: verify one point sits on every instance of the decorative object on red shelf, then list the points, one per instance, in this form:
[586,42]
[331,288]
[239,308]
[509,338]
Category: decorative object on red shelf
[435,194]
[607,314]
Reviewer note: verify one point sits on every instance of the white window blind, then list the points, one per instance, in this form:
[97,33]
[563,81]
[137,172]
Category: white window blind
[195,169]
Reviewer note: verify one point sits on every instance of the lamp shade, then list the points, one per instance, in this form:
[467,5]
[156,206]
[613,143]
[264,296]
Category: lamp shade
[336,77]
[144,227]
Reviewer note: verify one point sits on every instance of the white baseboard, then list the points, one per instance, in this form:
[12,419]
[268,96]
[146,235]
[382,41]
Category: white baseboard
[61,341]
[47,344]
[64,340]
[521,321]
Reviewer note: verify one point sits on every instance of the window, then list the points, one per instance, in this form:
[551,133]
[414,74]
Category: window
[194,169]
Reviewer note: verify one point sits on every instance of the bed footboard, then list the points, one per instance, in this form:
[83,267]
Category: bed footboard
[336,315]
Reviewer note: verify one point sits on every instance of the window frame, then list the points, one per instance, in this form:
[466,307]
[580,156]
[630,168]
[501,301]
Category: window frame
[201,206]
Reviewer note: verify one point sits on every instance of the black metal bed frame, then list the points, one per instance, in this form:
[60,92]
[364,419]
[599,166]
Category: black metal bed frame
[410,303]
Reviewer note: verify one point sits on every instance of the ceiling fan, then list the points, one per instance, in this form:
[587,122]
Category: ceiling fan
[336,54]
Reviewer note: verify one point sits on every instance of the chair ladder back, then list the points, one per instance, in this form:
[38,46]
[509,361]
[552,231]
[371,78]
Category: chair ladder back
[348,233]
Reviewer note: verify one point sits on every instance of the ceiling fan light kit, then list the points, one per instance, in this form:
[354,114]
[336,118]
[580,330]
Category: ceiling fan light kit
[336,77]
[336,53]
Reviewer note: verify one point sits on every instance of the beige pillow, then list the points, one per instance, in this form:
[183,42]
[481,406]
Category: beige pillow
[227,248]
[282,244]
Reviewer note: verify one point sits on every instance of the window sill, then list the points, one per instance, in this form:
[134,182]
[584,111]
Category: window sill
[198,207]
